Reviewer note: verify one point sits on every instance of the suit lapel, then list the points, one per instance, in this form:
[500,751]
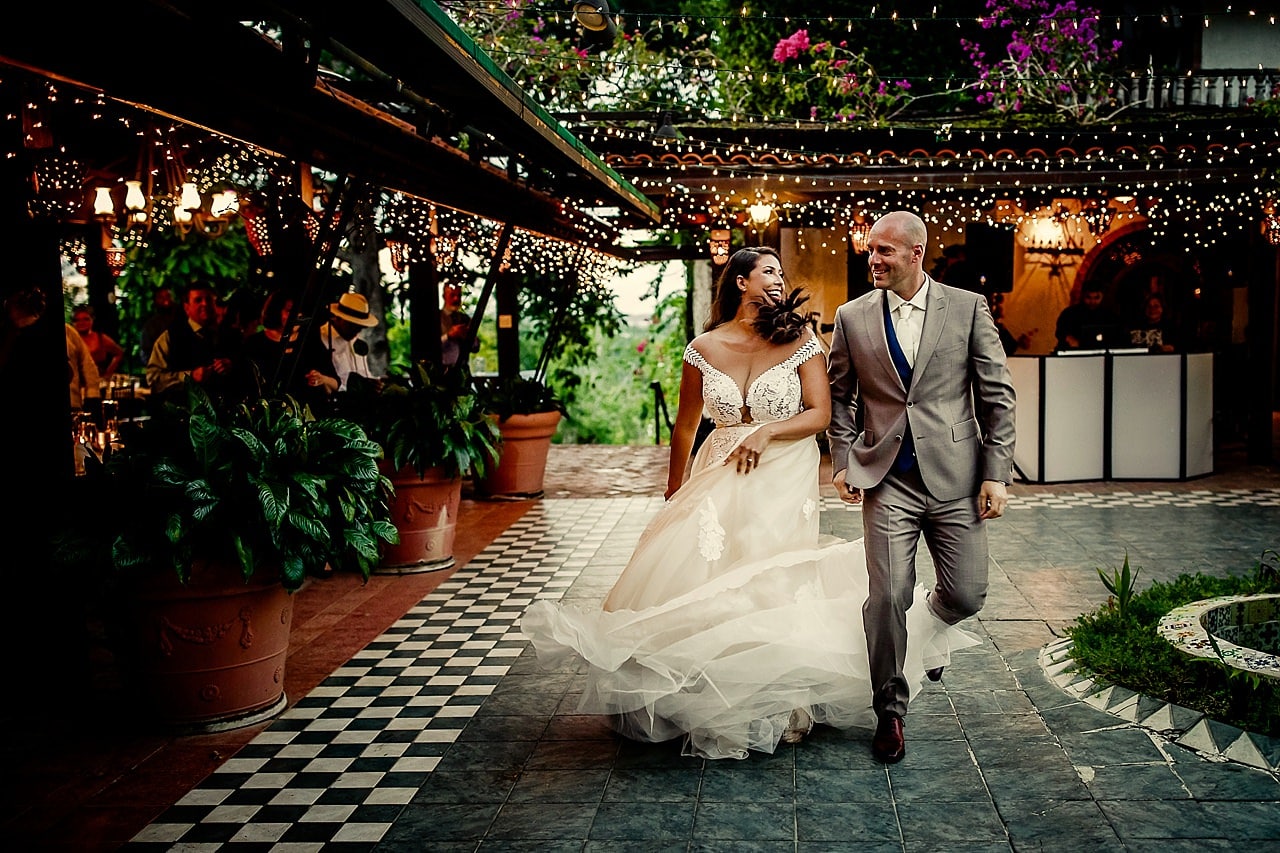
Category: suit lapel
[935,318]
[873,330]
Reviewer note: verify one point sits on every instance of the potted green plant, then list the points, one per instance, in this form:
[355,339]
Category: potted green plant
[214,515]
[432,432]
[526,412]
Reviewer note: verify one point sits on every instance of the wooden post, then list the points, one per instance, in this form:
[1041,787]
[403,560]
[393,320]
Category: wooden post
[423,281]
[495,268]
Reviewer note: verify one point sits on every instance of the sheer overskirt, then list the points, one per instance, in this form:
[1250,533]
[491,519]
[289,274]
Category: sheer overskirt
[732,612]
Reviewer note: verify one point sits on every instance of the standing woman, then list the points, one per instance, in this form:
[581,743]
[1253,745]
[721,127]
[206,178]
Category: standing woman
[733,625]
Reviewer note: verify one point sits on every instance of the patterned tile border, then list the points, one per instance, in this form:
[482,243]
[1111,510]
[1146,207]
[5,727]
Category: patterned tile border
[1191,729]
[1151,499]
[1188,629]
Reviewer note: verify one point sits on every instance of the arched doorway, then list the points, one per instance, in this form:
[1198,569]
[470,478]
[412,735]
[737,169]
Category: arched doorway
[1131,264]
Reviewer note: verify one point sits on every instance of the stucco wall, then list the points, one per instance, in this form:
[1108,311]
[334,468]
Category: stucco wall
[1239,44]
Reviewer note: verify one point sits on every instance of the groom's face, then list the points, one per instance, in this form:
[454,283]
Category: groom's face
[894,260]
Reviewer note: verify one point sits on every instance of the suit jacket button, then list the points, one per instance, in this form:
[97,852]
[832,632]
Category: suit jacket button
[897,438]
[910,404]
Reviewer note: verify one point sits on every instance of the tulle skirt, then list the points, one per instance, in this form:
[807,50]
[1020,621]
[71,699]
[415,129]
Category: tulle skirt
[733,612]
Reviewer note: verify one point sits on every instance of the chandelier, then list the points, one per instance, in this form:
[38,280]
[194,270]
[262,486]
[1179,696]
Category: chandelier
[156,187]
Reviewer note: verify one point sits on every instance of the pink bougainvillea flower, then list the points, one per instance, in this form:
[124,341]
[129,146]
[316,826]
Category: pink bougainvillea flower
[792,46]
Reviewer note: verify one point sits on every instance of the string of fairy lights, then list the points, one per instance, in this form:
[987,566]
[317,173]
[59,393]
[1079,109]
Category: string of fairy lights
[683,170]
[1235,87]
[1221,180]
[953,182]
[1230,82]
[889,13]
[64,188]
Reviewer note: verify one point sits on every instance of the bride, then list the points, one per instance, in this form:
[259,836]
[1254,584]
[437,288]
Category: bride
[735,624]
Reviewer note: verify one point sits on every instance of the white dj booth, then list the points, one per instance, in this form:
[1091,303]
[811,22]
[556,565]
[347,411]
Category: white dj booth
[1113,415]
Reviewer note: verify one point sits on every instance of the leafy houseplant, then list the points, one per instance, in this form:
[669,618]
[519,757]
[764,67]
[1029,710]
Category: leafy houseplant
[430,418]
[505,396]
[432,431]
[526,411]
[257,485]
[215,514]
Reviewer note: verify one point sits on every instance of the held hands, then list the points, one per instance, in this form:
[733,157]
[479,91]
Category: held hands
[992,499]
[846,493]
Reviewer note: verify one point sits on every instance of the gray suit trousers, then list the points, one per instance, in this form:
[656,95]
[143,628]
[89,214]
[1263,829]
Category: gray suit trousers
[894,516]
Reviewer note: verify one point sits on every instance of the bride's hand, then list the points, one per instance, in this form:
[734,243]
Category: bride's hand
[746,456]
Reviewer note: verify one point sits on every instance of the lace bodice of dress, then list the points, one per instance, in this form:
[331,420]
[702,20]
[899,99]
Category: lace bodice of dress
[773,396]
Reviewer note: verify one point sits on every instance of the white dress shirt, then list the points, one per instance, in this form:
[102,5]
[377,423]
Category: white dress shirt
[345,359]
[908,322]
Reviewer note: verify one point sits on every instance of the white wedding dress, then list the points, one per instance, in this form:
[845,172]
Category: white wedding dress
[733,611]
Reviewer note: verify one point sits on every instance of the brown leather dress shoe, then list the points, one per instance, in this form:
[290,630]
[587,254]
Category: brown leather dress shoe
[934,674]
[889,744]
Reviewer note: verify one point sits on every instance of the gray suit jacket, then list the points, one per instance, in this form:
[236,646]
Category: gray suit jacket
[959,405]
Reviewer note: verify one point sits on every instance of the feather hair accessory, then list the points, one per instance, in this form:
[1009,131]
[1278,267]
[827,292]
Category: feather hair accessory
[782,322]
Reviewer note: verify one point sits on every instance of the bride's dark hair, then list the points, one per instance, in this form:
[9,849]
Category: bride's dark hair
[778,324]
[728,297]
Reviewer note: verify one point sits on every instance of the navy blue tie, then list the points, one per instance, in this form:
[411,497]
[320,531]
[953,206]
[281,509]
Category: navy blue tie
[906,458]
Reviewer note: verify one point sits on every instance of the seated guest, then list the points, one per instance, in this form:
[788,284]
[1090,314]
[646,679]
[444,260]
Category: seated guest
[107,354]
[1152,333]
[1089,324]
[266,350]
[161,317]
[348,317]
[193,348]
[452,342]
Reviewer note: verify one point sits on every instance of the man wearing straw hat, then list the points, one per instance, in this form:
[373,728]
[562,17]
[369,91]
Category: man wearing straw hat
[347,317]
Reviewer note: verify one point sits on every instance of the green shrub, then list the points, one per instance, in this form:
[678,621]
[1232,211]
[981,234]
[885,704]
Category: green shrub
[1124,648]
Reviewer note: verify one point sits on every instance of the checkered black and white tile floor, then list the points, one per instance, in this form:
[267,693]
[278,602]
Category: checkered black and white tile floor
[340,765]
[443,734]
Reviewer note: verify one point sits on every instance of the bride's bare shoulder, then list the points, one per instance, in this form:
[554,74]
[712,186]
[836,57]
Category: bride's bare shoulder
[708,343]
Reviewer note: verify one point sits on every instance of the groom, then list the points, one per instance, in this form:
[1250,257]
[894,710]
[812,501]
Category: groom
[922,428]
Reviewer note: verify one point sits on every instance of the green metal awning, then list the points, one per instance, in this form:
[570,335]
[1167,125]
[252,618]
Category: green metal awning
[421,86]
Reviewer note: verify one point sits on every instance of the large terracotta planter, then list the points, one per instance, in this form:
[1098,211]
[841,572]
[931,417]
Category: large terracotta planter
[425,512]
[207,655]
[522,463]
